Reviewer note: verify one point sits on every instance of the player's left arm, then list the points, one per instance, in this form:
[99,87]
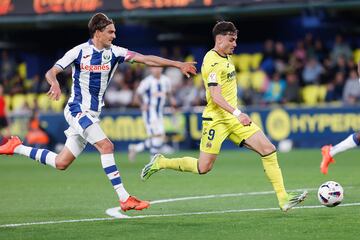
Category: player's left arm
[187,68]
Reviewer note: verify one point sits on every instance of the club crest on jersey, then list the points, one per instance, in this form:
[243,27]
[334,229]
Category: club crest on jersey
[106,57]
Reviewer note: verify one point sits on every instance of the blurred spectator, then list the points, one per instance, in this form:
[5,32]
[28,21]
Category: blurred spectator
[340,48]
[177,54]
[269,50]
[186,95]
[17,85]
[268,53]
[340,66]
[275,89]
[327,74]
[36,83]
[320,51]
[200,99]
[296,66]
[351,93]
[300,51]
[351,64]
[312,71]
[36,136]
[292,89]
[118,93]
[309,44]
[335,88]
[23,109]
[175,76]
[8,66]
[4,123]
[281,57]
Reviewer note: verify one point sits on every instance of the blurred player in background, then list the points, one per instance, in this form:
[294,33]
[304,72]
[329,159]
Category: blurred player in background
[93,64]
[4,123]
[151,95]
[328,151]
[222,119]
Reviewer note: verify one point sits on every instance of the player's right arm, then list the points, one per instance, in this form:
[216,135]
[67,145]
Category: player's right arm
[216,95]
[55,91]
[218,99]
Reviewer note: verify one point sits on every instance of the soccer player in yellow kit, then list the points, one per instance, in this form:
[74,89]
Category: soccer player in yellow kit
[222,119]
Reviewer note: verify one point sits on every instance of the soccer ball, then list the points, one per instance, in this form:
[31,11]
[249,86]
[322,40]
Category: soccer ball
[330,194]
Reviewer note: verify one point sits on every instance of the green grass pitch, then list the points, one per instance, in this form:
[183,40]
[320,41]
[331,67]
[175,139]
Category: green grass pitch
[32,193]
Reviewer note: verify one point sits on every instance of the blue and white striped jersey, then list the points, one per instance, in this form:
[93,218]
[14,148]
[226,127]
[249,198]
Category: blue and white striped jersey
[153,92]
[92,71]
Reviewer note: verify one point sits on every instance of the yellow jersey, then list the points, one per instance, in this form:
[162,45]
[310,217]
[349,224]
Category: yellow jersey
[219,70]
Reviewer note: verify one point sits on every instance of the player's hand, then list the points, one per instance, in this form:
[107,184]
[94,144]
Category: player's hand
[54,92]
[188,68]
[244,119]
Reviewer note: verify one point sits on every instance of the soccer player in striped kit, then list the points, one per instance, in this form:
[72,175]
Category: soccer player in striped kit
[152,94]
[93,64]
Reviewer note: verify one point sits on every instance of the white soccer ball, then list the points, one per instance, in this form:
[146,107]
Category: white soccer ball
[330,194]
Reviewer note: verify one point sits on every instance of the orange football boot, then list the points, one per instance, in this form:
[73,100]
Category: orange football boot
[9,147]
[326,159]
[132,203]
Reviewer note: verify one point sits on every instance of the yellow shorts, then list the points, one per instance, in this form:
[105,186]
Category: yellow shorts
[215,132]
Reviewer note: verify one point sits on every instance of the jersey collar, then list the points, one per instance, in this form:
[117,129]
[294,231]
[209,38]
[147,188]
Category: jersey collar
[218,53]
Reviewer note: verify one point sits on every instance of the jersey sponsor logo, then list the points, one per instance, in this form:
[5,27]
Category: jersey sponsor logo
[231,75]
[212,78]
[94,68]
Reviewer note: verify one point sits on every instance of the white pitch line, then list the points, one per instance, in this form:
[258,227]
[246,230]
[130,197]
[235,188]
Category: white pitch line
[170,215]
[116,214]
[223,195]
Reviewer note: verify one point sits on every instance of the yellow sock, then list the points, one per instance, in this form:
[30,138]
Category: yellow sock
[184,164]
[273,172]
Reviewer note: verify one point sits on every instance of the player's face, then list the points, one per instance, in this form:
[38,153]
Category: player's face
[229,43]
[107,35]
[156,71]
